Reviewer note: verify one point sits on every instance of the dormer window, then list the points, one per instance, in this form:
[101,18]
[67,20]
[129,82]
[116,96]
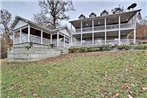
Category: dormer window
[104,13]
[92,15]
[82,16]
[117,10]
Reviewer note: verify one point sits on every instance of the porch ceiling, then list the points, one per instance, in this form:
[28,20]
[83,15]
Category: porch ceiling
[111,19]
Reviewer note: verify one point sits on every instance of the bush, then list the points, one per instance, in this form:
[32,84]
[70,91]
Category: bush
[4,46]
[89,49]
[81,50]
[140,47]
[124,47]
[107,48]
[3,49]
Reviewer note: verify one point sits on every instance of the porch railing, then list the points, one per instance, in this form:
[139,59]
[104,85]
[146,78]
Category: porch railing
[33,38]
[37,39]
[102,42]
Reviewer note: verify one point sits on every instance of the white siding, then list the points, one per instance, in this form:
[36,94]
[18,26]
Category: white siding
[64,31]
[19,24]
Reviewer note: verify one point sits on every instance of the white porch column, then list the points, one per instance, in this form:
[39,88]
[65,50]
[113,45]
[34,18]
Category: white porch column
[13,37]
[105,31]
[128,40]
[71,44]
[41,36]
[64,41]
[92,32]
[57,38]
[28,33]
[119,42]
[134,29]
[134,35]
[81,32]
[71,26]
[51,38]
[20,35]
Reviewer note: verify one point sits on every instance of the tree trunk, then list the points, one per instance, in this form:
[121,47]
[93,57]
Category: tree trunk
[8,40]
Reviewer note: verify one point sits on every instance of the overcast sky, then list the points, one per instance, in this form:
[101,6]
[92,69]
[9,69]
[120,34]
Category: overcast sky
[26,8]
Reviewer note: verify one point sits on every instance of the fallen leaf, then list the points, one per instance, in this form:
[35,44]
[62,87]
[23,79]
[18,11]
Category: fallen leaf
[129,96]
[144,88]
[116,95]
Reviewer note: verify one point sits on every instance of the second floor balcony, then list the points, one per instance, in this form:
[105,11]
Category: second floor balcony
[112,22]
[108,28]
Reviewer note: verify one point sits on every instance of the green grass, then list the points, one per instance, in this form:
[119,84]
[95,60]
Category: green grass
[83,75]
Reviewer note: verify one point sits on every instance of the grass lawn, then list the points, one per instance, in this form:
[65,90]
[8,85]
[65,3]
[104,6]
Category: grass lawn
[83,75]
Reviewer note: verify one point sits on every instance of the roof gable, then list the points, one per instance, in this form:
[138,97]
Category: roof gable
[65,31]
[82,16]
[19,24]
[92,15]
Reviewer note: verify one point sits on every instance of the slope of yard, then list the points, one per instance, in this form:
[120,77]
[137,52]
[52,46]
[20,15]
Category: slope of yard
[85,75]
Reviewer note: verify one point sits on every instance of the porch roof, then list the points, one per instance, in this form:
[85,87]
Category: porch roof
[99,20]
[17,18]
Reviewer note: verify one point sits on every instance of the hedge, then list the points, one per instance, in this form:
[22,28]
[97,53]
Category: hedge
[108,48]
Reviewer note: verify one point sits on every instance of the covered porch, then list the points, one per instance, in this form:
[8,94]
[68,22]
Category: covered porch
[25,31]
[100,38]
[30,34]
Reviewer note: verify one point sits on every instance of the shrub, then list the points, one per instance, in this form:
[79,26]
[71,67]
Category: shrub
[124,47]
[4,47]
[107,48]
[140,47]
[89,49]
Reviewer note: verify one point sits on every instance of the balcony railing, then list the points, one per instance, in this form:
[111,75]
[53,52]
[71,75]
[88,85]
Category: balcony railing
[102,42]
[108,27]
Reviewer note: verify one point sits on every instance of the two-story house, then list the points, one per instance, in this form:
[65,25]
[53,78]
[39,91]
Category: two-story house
[104,29]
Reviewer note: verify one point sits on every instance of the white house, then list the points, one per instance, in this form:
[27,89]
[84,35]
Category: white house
[104,29]
[33,42]
[26,31]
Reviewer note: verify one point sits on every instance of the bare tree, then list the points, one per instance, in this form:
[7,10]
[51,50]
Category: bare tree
[5,19]
[43,20]
[56,9]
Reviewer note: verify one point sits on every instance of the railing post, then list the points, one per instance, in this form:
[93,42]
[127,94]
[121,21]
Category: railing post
[81,32]
[119,31]
[28,33]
